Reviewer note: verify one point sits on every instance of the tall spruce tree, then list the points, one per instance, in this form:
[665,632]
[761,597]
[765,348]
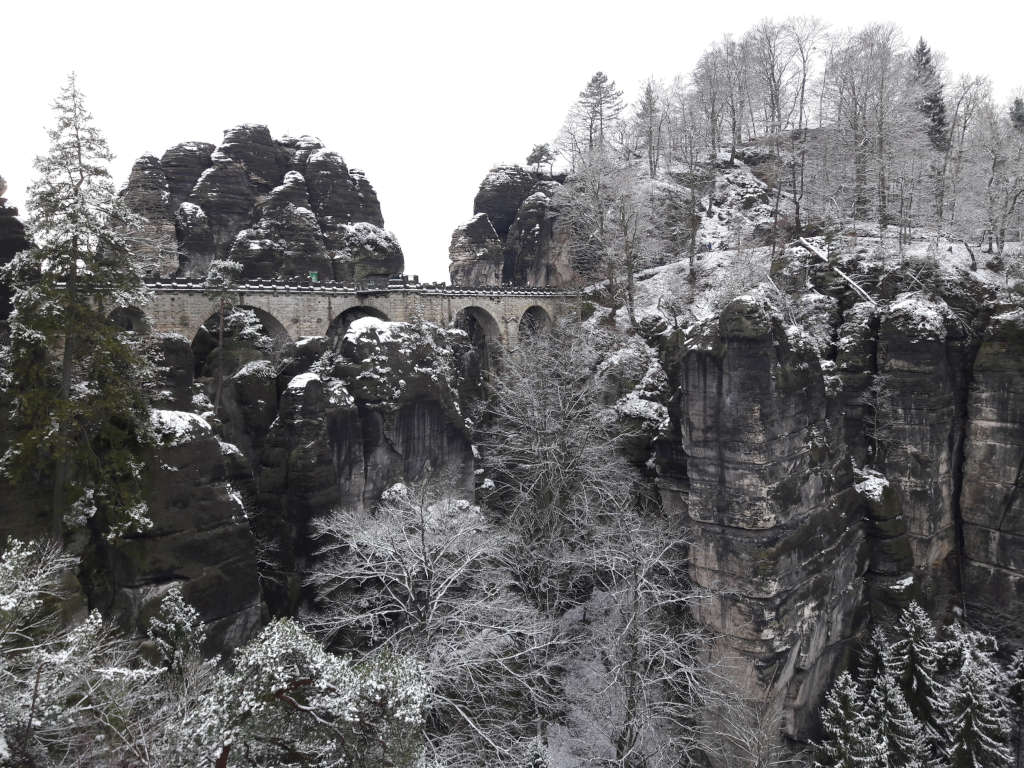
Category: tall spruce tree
[875,659]
[848,741]
[892,726]
[79,417]
[975,722]
[932,104]
[914,663]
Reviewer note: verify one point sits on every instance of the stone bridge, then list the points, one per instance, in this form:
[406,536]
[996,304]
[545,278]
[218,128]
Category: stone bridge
[290,309]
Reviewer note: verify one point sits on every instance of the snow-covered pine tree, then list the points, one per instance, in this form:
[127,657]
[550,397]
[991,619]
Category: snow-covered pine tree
[848,742]
[79,414]
[975,721]
[892,726]
[932,104]
[962,646]
[875,660]
[1015,693]
[914,663]
[177,632]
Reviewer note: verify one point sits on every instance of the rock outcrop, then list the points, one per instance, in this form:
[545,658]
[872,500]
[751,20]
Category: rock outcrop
[200,537]
[476,253]
[502,193]
[834,457]
[992,500]
[147,193]
[323,429]
[283,208]
[758,470]
[515,235]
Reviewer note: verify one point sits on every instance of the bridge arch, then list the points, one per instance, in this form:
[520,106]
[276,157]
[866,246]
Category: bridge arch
[483,331]
[130,319]
[340,324]
[205,346]
[535,320]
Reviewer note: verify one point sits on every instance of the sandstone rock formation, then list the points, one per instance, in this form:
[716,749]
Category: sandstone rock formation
[475,252]
[759,470]
[200,538]
[284,208]
[834,458]
[515,235]
[992,500]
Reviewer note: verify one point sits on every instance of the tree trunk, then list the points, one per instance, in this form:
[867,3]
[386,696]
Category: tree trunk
[62,470]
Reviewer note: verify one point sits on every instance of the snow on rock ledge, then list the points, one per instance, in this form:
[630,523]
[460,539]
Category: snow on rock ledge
[178,427]
[919,317]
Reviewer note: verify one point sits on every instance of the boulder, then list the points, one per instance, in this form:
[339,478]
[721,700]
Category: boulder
[339,196]
[227,200]
[364,250]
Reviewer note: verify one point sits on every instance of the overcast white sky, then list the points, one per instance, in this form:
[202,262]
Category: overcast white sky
[423,96]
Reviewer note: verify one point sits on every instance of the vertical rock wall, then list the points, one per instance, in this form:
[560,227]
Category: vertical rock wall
[992,501]
[775,523]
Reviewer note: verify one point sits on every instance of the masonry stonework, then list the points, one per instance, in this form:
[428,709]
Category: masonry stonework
[309,310]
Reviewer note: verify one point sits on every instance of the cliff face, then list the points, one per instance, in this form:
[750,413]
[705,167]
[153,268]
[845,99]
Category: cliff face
[992,498]
[283,208]
[833,458]
[760,473]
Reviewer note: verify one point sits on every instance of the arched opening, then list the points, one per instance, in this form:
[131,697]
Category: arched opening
[484,338]
[130,319]
[340,325]
[249,333]
[535,320]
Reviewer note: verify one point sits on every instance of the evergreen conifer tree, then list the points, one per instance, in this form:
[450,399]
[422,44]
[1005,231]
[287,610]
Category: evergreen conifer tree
[541,154]
[892,726]
[914,662]
[1015,693]
[875,660]
[932,104]
[1017,114]
[847,742]
[80,416]
[975,721]
[601,103]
